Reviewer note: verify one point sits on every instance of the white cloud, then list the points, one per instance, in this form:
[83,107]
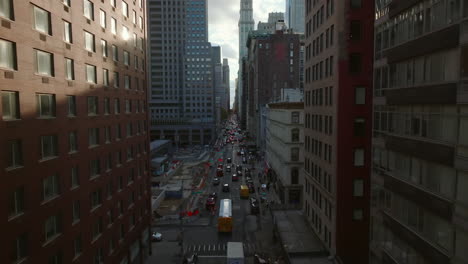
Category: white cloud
[223,16]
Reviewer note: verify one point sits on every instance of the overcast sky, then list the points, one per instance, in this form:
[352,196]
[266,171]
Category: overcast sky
[223,16]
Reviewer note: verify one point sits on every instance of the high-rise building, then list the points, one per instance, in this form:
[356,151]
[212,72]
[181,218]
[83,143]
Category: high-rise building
[338,117]
[272,65]
[295,15]
[219,92]
[227,86]
[182,102]
[74,142]
[420,132]
[246,24]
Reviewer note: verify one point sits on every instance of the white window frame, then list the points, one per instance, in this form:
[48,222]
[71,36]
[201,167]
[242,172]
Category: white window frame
[49,141]
[359,157]
[10,105]
[51,225]
[105,77]
[39,14]
[125,12]
[88,9]
[67,32]
[44,63]
[90,43]
[104,49]
[102,18]
[91,73]
[50,187]
[42,104]
[7,11]
[69,69]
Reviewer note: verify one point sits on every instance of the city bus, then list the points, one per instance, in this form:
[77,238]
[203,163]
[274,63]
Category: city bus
[225,216]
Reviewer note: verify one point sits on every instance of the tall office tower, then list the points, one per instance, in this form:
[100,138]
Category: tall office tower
[246,24]
[74,142]
[420,136]
[217,81]
[295,15]
[227,86]
[338,111]
[182,96]
[275,22]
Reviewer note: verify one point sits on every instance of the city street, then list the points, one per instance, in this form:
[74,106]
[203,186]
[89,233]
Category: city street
[202,237]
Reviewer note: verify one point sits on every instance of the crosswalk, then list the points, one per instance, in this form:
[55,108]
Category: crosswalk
[219,249]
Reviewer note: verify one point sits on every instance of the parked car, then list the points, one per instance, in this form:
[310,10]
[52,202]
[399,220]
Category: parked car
[216,181]
[226,187]
[156,237]
[254,206]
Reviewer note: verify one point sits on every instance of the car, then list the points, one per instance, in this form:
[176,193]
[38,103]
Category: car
[229,160]
[242,153]
[251,187]
[156,237]
[248,180]
[244,160]
[239,167]
[219,172]
[226,187]
[264,187]
[216,181]
[254,206]
[239,172]
[228,168]
[235,177]
[210,203]
[213,195]
[238,153]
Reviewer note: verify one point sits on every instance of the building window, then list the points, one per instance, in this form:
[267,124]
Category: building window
[355,30]
[294,154]
[99,257]
[77,246]
[93,105]
[106,106]
[67,2]
[117,106]
[76,211]
[355,63]
[6,9]
[360,95]
[52,227]
[46,105]
[44,63]
[140,22]
[75,178]
[17,202]
[295,135]
[10,105]
[113,3]
[94,168]
[356,4]
[97,228]
[20,247]
[71,101]
[105,77]
[102,18]
[88,9]
[50,187]
[107,135]
[113,26]
[126,57]
[49,146]
[73,141]
[358,214]
[358,188]
[42,20]
[67,32]
[91,73]
[359,157]
[96,199]
[124,9]
[134,17]
[104,48]
[294,176]
[69,69]
[295,117]
[15,153]
[116,80]
[89,42]
[359,127]
[93,137]
[8,54]
[127,82]
[115,53]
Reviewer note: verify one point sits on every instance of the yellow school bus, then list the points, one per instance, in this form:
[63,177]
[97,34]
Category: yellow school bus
[244,191]
[225,216]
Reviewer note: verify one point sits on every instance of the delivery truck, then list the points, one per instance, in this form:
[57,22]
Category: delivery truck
[235,253]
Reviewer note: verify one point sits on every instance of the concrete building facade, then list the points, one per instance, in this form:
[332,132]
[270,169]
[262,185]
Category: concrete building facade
[226,102]
[284,149]
[420,133]
[181,72]
[338,117]
[74,142]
